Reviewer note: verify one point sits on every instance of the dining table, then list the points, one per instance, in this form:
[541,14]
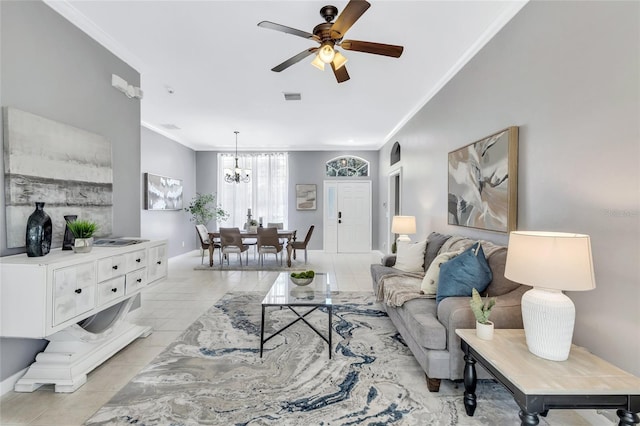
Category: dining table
[290,236]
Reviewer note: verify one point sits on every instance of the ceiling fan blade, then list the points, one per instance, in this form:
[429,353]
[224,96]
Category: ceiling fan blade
[350,14]
[294,59]
[375,48]
[287,30]
[341,73]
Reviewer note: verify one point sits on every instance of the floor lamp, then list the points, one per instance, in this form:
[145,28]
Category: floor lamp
[550,262]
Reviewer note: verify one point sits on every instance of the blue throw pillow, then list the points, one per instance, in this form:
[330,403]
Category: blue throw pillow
[463,273]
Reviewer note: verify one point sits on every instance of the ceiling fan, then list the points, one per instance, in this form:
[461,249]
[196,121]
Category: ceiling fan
[329,35]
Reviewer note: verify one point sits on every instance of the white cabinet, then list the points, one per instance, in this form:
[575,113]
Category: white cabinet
[48,297]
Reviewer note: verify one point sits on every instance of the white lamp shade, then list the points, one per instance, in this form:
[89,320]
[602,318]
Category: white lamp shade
[403,225]
[552,260]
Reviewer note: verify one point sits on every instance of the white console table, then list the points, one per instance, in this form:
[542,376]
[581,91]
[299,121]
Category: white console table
[78,302]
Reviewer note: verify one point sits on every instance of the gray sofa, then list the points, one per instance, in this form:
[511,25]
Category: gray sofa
[429,329]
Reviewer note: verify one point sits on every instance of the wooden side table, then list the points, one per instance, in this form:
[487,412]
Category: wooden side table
[538,385]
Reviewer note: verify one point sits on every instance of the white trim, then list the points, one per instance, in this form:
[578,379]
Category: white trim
[484,38]
[7,384]
[77,18]
[166,134]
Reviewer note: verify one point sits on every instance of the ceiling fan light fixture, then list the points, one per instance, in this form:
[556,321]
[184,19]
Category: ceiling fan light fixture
[326,53]
[317,62]
[339,60]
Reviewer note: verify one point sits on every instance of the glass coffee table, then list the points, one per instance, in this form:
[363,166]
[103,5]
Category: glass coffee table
[284,293]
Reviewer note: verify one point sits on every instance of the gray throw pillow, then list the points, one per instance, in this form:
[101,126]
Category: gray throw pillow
[434,243]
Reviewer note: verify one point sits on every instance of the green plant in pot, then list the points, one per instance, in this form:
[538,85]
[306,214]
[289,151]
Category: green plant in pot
[482,309]
[203,208]
[82,231]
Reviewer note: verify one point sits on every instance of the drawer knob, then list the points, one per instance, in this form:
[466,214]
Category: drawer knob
[78,290]
[115,266]
[114,290]
[138,260]
[139,280]
[159,262]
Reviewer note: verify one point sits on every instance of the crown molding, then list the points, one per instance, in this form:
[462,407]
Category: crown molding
[487,35]
[77,18]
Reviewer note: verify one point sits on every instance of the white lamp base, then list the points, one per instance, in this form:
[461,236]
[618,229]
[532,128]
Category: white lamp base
[548,317]
[403,238]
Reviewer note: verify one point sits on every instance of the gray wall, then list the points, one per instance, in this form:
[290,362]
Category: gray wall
[162,156]
[305,167]
[52,69]
[567,74]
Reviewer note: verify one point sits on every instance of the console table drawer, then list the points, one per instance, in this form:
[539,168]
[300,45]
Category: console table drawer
[110,290]
[111,267]
[136,280]
[135,260]
[73,291]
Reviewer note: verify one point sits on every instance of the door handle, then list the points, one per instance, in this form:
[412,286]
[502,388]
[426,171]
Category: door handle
[339,215]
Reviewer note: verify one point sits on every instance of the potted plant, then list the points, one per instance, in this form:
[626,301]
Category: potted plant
[82,231]
[203,208]
[482,310]
[252,226]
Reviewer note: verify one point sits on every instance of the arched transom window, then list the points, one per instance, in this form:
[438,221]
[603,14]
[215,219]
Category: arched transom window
[348,166]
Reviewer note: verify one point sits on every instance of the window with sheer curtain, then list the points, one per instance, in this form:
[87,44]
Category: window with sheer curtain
[266,194]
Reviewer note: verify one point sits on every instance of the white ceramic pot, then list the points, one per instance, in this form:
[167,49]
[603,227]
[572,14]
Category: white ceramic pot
[484,331]
[253,229]
[83,245]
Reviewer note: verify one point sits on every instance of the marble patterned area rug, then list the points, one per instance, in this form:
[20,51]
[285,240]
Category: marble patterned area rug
[213,374]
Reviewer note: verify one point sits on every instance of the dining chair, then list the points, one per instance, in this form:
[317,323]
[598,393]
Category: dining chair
[300,245]
[205,242]
[231,242]
[268,242]
[277,225]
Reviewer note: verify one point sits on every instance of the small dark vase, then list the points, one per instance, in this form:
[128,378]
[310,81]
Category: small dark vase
[38,238]
[67,242]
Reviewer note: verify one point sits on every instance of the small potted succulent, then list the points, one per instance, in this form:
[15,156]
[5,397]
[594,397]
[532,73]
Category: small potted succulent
[482,310]
[82,231]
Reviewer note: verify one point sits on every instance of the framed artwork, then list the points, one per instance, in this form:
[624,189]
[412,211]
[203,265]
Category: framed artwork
[163,193]
[67,168]
[306,197]
[483,183]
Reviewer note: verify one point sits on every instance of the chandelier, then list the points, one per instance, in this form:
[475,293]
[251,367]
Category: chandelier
[237,175]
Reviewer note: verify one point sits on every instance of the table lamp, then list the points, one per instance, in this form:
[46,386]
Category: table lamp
[403,225]
[550,262]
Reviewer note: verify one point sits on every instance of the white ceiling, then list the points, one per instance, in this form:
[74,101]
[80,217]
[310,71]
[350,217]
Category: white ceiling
[218,63]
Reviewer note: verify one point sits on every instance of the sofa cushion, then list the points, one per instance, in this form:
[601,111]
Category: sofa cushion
[499,284]
[429,284]
[419,317]
[435,240]
[463,273]
[410,257]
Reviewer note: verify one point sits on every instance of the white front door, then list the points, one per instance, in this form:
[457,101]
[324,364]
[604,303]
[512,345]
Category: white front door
[347,217]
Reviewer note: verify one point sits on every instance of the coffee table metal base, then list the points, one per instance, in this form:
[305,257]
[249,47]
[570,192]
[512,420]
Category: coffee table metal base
[300,318]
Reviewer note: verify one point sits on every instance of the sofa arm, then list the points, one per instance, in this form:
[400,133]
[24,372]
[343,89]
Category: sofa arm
[455,312]
[388,260]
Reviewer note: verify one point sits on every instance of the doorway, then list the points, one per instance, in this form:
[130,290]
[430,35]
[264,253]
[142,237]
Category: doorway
[393,203]
[347,216]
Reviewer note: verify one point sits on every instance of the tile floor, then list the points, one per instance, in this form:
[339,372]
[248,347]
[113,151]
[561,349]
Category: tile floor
[170,307]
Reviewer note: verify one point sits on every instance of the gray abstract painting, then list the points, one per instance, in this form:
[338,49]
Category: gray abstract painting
[67,168]
[483,183]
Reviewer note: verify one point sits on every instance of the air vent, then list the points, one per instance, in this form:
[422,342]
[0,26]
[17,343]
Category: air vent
[170,126]
[292,96]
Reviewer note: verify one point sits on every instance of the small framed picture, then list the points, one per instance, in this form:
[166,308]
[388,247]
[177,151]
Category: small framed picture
[306,197]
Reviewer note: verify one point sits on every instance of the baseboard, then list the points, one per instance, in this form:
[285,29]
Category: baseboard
[7,384]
